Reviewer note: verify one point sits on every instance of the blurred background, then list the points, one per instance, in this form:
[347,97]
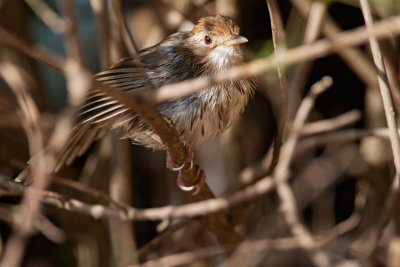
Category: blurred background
[325,179]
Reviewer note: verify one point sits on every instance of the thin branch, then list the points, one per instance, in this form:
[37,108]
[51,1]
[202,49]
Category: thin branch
[47,15]
[102,21]
[163,237]
[191,210]
[340,136]
[281,175]
[384,88]
[42,161]
[209,252]
[354,58]
[122,234]
[37,52]
[73,46]
[29,209]
[389,210]
[302,71]
[42,224]
[392,69]
[86,190]
[246,252]
[249,247]
[278,38]
[331,124]
[253,172]
[129,40]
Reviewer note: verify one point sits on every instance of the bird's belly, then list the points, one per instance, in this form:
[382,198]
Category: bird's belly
[201,131]
[198,130]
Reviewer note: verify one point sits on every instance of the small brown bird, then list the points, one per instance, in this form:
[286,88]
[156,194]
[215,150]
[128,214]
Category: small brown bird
[212,46]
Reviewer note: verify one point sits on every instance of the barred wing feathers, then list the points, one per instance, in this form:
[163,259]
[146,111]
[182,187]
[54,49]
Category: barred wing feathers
[101,111]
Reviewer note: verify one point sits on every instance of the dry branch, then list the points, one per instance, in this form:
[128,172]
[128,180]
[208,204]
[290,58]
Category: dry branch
[281,175]
[384,87]
[278,38]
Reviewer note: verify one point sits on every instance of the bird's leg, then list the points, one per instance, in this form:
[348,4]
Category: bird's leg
[189,153]
[200,172]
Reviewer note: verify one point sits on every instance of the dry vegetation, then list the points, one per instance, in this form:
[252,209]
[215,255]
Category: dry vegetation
[309,176]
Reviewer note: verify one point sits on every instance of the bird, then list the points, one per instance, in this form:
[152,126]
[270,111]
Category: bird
[210,47]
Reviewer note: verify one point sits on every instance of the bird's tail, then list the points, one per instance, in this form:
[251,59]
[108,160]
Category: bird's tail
[80,139]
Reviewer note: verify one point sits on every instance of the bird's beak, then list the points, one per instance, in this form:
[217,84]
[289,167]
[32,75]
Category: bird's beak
[235,40]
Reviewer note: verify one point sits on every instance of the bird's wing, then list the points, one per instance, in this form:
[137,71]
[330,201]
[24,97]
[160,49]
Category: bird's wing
[100,110]
[164,63]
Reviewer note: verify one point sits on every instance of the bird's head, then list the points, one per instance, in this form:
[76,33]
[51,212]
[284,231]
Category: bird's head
[215,40]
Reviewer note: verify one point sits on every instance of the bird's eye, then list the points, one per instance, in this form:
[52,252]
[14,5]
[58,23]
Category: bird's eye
[207,40]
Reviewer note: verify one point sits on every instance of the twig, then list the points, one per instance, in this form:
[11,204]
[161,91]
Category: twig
[88,191]
[130,41]
[184,258]
[352,56]
[29,208]
[122,235]
[389,210]
[340,136]
[42,224]
[248,250]
[102,21]
[384,88]
[250,247]
[208,252]
[301,75]
[278,38]
[331,124]
[37,52]
[251,173]
[47,15]
[163,237]
[73,46]
[392,71]
[42,161]
[351,222]
[117,48]
[281,175]
[191,210]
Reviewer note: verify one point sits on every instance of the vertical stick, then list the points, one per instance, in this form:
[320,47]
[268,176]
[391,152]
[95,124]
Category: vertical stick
[278,38]
[384,88]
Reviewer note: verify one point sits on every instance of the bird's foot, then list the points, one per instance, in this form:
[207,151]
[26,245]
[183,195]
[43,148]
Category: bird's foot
[200,173]
[170,165]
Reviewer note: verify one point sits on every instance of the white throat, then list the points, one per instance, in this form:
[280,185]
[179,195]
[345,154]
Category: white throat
[223,57]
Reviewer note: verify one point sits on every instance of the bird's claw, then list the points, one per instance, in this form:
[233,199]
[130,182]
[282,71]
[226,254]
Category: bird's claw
[170,165]
[198,186]
[200,173]
[176,169]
